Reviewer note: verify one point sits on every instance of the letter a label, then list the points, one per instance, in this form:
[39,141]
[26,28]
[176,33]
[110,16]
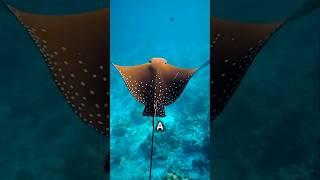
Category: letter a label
[160,126]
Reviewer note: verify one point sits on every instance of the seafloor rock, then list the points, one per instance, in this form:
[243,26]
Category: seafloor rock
[175,176]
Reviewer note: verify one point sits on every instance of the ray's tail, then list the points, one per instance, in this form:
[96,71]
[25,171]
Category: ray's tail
[204,65]
[306,8]
[151,151]
[152,142]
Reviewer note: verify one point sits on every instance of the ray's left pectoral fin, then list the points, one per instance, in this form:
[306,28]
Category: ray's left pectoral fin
[175,80]
[76,50]
[176,74]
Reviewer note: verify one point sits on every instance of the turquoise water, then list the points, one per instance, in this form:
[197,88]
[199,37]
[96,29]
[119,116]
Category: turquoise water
[141,30]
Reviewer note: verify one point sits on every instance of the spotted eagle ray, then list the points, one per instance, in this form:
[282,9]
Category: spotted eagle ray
[76,50]
[156,84]
[233,48]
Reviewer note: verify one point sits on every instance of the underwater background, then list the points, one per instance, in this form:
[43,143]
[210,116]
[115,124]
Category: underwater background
[178,31]
[268,131]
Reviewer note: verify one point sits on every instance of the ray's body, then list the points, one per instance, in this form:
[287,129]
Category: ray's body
[155,82]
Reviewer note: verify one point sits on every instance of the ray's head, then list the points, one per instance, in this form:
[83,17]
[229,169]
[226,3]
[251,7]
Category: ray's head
[158,60]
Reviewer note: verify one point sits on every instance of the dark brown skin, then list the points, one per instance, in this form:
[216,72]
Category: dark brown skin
[233,48]
[76,50]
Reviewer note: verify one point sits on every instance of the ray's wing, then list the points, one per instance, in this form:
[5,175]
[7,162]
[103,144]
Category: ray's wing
[173,81]
[233,48]
[138,80]
[76,50]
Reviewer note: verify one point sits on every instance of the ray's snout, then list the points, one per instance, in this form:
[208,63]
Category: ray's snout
[158,60]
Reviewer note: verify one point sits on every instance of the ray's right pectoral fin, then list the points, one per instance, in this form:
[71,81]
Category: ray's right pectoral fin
[137,79]
[233,49]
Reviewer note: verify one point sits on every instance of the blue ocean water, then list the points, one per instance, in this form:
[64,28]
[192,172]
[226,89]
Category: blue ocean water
[179,32]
